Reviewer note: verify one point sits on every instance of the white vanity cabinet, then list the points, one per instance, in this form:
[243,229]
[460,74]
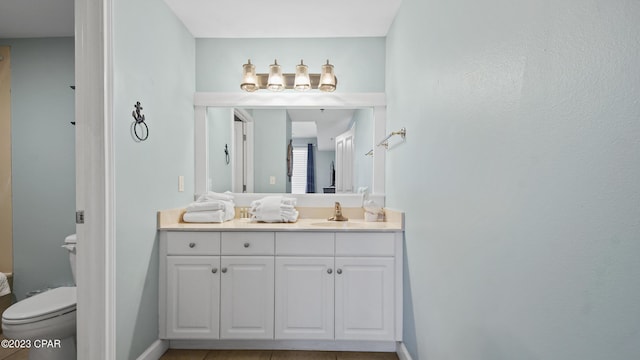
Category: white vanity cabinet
[192,300]
[247,289]
[282,286]
[365,285]
[304,286]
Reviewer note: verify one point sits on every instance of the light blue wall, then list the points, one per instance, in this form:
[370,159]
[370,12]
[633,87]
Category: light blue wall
[270,150]
[154,63]
[519,177]
[43,160]
[359,62]
[363,164]
[219,121]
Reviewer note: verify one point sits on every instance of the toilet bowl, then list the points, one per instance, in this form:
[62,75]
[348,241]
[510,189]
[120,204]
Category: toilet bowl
[47,321]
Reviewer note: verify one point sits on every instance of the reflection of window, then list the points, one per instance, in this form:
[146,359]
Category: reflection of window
[299,176]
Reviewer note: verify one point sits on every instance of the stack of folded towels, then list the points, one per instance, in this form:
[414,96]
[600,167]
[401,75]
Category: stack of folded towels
[274,209]
[211,207]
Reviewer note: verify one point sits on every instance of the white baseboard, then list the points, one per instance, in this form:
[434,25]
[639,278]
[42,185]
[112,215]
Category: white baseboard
[155,350]
[403,353]
[326,345]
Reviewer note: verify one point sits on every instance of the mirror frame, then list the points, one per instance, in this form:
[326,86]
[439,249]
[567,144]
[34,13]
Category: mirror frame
[270,100]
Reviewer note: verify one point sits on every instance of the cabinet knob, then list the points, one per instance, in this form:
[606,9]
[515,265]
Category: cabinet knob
[214,270]
[339,271]
[329,271]
[247,245]
[224,270]
[192,245]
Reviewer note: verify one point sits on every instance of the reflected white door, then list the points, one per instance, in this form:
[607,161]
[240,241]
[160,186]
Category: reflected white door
[242,156]
[345,149]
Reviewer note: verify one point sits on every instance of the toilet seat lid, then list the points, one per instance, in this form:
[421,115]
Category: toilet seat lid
[43,306]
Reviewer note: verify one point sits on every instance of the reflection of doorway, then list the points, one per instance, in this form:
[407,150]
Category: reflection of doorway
[6,220]
[344,161]
[242,174]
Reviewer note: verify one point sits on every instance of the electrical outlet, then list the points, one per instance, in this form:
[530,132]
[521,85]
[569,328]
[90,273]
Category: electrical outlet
[181,183]
[272,180]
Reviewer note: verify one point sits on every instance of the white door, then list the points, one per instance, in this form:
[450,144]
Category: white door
[364,298]
[242,174]
[247,288]
[345,149]
[193,304]
[304,298]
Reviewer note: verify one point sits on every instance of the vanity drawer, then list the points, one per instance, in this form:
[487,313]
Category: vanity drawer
[365,244]
[247,243]
[193,243]
[305,244]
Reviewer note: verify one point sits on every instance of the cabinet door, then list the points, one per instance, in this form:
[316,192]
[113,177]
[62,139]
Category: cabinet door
[247,302]
[304,298]
[193,297]
[364,298]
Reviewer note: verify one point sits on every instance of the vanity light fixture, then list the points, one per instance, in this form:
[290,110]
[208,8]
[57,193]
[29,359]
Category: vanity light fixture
[302,81]
[249,78]
[275,80]
[327,78]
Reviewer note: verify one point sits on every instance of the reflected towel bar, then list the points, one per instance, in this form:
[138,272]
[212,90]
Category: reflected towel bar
[402,132]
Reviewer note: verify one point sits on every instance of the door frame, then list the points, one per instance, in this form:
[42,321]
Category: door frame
[6,260]
[95,191]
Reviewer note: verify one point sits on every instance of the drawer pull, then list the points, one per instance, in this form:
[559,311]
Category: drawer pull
[192,245]
[214,270]
[224,270]
[339,271]
[329,271]
[247,245]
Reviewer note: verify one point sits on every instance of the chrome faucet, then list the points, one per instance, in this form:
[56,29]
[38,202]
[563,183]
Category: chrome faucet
[337,213]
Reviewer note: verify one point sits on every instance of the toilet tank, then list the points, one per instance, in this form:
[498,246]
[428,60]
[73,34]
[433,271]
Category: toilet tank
[70,244]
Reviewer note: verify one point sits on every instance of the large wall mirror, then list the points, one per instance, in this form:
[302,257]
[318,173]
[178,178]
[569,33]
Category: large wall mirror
[289,143]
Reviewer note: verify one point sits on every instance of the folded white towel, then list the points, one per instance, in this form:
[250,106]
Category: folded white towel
[274,209]
[212,205]
[210,196]
[217,216]
[371,206]
[4,285]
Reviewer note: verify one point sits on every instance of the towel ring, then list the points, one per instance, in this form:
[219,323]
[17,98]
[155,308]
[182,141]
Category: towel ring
[139,118]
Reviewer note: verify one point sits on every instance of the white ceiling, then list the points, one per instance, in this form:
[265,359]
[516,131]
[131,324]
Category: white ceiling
[285,18]
[36,18]
[222,18]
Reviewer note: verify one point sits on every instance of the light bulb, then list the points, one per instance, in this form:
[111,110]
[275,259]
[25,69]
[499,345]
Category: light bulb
[249,79]
[302,81]
[327,78]
[276,80]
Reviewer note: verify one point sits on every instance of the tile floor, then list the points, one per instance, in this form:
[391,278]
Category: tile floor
[12,354]
[174,354]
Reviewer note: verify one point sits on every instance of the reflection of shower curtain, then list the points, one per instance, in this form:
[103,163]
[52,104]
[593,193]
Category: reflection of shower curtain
[311,173]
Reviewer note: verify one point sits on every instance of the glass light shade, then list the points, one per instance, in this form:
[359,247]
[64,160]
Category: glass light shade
[302,81]
[276,80]
[327,78]
[249,79]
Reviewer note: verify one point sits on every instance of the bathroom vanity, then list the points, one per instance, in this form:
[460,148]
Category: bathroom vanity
[313,284]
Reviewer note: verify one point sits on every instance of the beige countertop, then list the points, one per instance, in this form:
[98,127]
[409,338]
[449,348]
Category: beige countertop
[172,220]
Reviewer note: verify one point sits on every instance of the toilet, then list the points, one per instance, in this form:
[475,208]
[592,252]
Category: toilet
[48,319]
